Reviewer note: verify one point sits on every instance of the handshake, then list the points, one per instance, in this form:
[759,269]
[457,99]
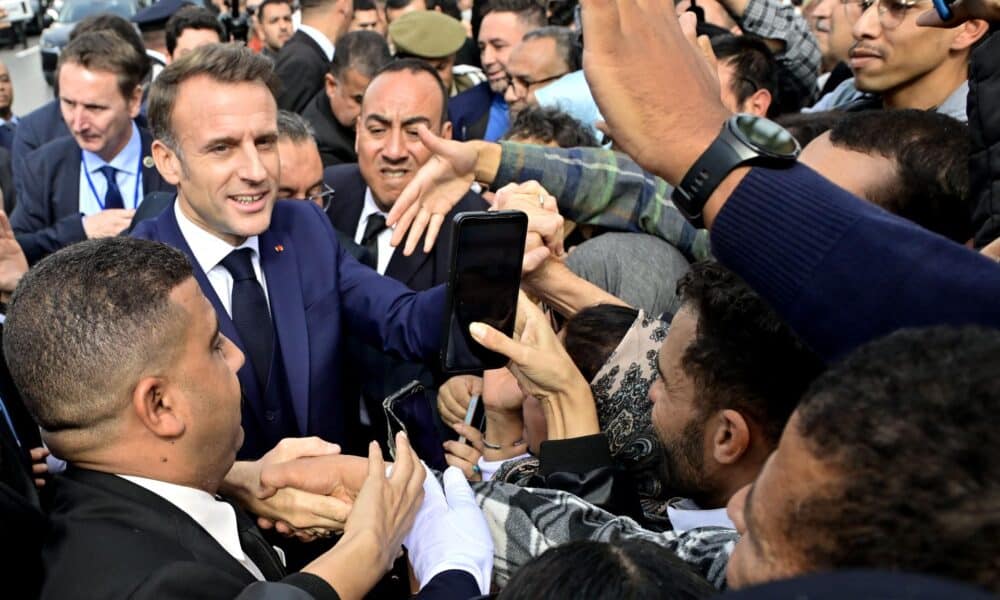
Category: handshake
[305,488]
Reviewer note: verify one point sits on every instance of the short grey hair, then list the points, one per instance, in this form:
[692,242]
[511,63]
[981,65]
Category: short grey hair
[294,127]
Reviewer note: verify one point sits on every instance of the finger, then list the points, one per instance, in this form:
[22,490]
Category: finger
[466,453]
[457,491]
[416,230]
[39,483]
[402,469]
[292,448]
[376,466]
[471,434]
[534,259]
[40,453]
[433,229]
[264,523]
[494,340]
[401,228]
[432,141]
[39,468]
[6,231]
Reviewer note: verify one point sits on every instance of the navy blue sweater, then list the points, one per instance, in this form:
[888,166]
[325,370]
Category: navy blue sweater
[842,272]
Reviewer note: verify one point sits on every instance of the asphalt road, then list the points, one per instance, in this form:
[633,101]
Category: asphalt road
[25,65]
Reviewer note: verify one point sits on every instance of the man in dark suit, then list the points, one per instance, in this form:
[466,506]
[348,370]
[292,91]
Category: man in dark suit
[334,110]
[404,94]
[45,123]
[225,164]
[89,185]
[304,61]
[480,113]
[146,408]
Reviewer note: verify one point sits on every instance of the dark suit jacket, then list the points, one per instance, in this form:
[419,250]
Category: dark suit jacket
[7,136]
[469,112]
[386,374]
[335,142]
[33,131]
[111,538]
[301,67]
[420,270]
[7,182]
[318,293]
[47,216]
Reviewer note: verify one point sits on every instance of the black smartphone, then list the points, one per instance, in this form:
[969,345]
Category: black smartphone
[487,249]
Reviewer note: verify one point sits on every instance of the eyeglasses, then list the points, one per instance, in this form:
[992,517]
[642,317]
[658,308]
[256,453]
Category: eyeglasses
[890,12]
[522,85]
[323,198]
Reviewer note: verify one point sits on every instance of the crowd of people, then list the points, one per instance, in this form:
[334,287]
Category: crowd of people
[754,333]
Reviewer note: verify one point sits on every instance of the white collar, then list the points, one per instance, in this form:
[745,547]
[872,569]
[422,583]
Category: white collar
[157,55]
[127,160]
[684,514]
[320,38]
[370,208]
[215,516]
[208,249]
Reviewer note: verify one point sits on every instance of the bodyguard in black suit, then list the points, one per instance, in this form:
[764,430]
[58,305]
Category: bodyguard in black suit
[405,94]
[334,110]
[304,60]
[100,89]
[420,270]
[151,405]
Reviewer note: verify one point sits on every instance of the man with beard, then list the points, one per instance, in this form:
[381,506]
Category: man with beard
[481,112]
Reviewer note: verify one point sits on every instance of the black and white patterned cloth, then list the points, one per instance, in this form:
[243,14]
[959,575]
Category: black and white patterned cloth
[778,20]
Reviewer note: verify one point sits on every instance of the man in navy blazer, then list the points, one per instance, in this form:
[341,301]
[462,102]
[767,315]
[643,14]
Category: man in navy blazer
[217,142]
[61,202]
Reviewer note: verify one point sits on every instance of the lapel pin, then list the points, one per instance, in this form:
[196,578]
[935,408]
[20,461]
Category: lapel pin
[148,162]
[279,248]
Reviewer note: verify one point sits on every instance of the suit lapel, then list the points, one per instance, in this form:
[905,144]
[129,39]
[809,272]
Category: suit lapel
[402,267]
[171,234]
[284,291]
[189,532]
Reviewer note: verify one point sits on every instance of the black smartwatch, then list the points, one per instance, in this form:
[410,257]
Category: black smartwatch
[744,139]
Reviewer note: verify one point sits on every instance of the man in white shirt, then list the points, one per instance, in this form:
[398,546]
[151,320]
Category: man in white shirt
[144,403]
[304,61]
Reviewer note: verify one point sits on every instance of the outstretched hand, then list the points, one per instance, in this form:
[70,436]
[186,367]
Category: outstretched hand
[544,370]
[436,188]
[13,263]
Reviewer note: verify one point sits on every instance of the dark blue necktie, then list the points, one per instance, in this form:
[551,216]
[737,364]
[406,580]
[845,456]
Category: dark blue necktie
[250,314]
[369,239]
[113,197]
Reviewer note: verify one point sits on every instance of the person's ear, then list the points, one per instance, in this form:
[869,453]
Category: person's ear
[330,83]
[156,408]
[731,438]
[758,103]
[135,102]
[969,33]
[446,130]
[167,162]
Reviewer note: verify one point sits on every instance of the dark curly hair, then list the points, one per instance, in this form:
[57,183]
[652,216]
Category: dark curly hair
[743,356]
[910,424]
[550,125]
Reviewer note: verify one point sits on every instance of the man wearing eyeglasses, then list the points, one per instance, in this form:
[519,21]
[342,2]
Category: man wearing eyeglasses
[542,57]
[898,64]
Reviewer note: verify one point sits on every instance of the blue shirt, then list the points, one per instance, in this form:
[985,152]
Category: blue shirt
[499,119]
[128,176]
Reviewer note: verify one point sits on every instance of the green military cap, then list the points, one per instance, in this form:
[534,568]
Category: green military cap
[426,34]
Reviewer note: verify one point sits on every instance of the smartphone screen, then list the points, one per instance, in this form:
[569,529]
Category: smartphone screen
[486,253]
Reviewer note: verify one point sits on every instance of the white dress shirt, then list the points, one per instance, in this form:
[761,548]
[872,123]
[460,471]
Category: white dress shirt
[128,176]
[321,39]
[209,251]
[684,514]
[215,516]
[385,249]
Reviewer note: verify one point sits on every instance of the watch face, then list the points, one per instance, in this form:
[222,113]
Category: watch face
[766,136]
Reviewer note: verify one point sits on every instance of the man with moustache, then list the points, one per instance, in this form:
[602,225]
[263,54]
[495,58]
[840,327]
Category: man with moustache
[899,64]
